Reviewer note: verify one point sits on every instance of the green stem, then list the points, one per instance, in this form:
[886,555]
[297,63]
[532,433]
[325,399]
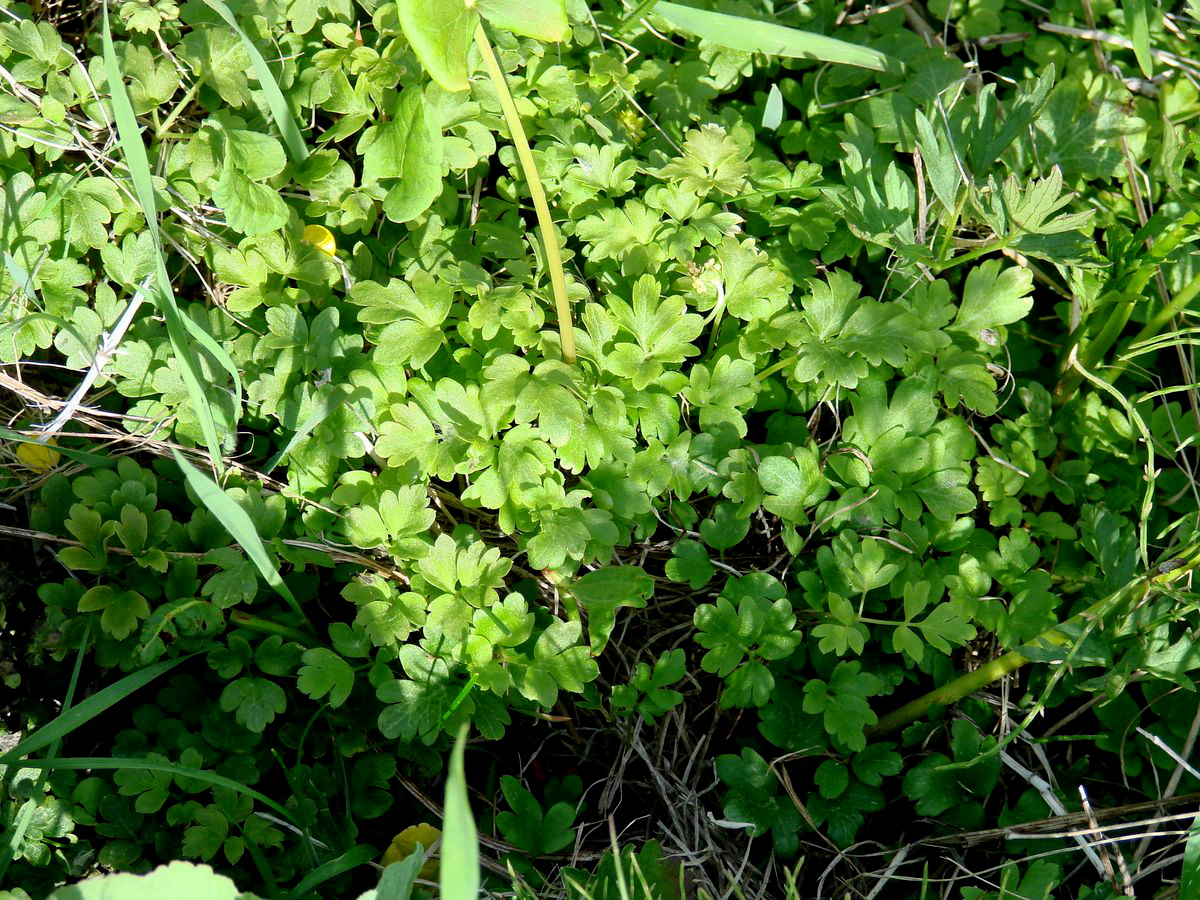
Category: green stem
[558,280]
[266,626]
[179,107]
[1181,301]
[779,366]
[967,684]
[1094,351]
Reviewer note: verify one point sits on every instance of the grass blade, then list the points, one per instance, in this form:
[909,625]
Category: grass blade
[178,325]
[754,36]
[241,529]
[319,414]
[18,831]
[83,763]
[351,859]
[460,843]
[554,266]
[1137,20]
[88,709]
[288,129]
[95,460]
[1189,881]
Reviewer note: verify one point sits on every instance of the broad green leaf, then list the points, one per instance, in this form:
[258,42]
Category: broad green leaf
[792,485]
[250,207]
[324,672]
[407,147]
[545,20]
[440,33]
[254,701]
[605,590]
[754,36]
[176,879]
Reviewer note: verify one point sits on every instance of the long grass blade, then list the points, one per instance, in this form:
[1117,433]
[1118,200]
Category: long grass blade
[17,834]
[351,859]
[1189,880]
[88,709]
[754,36]
[280,112]
[460,843]
[152,765]
[237,522]
[558,281]
[178,328]
[1137,20]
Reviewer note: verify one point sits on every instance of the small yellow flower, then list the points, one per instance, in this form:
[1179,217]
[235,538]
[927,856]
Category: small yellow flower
[39,456]
[320,237]
[406,842]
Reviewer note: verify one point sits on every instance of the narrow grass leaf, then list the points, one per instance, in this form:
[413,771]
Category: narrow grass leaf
[94,460]
[1189,880]
[84,763]
[23,278]
[320,413]
[17,833]
[288,129]
[237,522]
[351,859]
[460,843]
[1137,20]
[88,709]
[134,152]
[754,36]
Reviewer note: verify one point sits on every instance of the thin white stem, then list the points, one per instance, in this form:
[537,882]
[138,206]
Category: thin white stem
[109,342]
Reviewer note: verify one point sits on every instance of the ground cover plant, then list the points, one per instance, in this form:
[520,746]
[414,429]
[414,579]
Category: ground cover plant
[767,431]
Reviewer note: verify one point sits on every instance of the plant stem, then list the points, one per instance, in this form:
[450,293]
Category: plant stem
[179,107]
[558,280]
[967,684]
[266,626]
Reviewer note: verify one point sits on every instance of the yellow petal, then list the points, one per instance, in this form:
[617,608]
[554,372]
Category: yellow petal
[321,238]
[41,457]
[406,842]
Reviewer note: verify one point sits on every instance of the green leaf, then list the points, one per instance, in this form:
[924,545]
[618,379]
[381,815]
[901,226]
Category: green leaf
[843,703]
[254,701]
[415,711]
[792,485]
[324,672]
[545,20]
[528,827]
[176,879]
[407,147]
[753,36]
[120,610]
[559,663]
[250,207]
[604,591]
[440,33]
[648,690]
[755,799]
[689,562]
